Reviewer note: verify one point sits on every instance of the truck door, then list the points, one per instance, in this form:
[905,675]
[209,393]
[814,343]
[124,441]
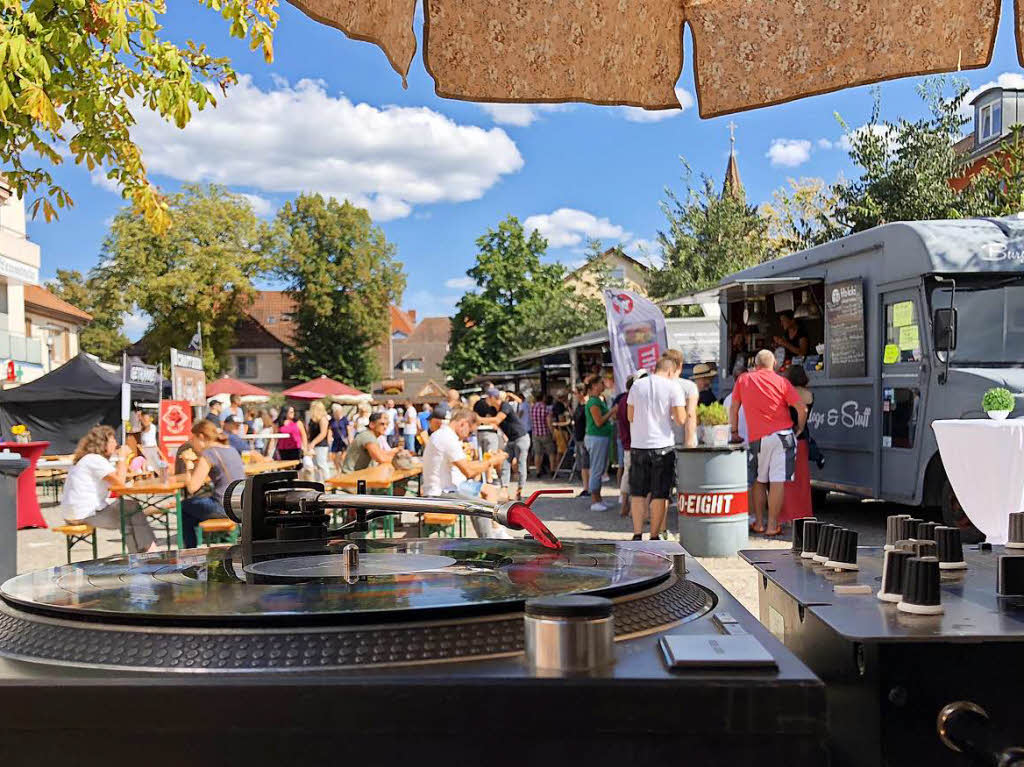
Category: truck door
[904,387]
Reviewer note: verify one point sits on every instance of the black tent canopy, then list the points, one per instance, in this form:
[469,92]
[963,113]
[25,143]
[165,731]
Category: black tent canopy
[61,406]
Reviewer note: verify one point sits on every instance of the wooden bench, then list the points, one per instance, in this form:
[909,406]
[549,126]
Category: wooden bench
[217,528]
[440,523]
[75,534]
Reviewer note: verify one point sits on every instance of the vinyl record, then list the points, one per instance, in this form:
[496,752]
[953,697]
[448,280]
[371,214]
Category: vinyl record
[411,579]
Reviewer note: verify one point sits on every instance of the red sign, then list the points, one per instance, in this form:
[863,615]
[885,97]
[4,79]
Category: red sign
[175,425]
[11,373]
[713,504]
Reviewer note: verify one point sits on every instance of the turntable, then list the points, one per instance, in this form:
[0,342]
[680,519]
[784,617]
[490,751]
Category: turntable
[309,641]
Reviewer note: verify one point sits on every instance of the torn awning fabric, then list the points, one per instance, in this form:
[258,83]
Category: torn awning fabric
[747,53]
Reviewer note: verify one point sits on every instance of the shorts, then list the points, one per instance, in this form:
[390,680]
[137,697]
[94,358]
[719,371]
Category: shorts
[772,458]
[652,472]
[338,445]
[582,456]
[544,445]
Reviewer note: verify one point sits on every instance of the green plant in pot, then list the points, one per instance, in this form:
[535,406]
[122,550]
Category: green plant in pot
[998,403]
[713,423]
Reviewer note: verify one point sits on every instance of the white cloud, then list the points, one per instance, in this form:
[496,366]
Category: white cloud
[1005,80]
[261,206]
[460,283]
[789,152]
[566,227]
[638,115]
[302,139]
[135,323]
[520,115]
[844,141]
[643,250]
[824,143]
[99,178]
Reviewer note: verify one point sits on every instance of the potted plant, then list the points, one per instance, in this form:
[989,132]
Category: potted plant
[998,403]
[21,433]
[713,421]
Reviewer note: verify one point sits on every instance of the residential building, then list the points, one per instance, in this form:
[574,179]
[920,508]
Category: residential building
[55,323]
[21,353]
[623,270]
[997,111]
[414,355]
[263,341]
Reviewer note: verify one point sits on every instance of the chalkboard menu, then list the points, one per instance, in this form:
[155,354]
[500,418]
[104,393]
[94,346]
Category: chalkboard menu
[844,329]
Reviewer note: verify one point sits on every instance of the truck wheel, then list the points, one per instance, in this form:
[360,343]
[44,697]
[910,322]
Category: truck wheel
[953,515]
[818,500]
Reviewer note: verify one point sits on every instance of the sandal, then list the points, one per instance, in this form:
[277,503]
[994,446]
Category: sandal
[757,529]
[773,533]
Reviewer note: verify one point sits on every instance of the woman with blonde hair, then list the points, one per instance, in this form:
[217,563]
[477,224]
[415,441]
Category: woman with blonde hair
[318,435]
[219,464]
[87,497]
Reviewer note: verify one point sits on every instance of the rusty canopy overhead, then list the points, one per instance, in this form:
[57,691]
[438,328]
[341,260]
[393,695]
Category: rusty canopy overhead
[748,53]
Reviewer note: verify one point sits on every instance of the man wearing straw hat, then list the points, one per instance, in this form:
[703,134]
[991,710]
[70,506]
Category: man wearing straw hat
[703,375]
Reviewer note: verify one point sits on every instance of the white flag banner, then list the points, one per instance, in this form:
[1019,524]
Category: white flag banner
[636,333]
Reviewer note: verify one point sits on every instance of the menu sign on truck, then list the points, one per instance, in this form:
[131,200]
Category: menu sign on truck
[844,329]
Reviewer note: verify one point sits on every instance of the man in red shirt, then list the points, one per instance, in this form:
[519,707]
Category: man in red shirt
[766,398]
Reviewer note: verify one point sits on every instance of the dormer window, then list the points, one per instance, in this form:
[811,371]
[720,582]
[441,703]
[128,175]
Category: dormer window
[990,121]
[411,365]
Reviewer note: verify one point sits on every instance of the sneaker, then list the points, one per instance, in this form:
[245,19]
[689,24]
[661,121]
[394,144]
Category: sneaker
[638,537]
[583,493]
[598,507]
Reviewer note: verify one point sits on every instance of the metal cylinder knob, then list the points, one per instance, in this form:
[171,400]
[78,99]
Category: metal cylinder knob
[1015,530]
[798,534]
[810,530]
[569,633]
[892,530]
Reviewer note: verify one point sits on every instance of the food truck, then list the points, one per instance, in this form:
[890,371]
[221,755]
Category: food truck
[905,323]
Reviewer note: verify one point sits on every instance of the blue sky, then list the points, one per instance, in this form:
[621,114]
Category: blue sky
[330,115]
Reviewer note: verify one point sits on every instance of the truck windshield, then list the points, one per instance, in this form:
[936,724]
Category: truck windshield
[990,318]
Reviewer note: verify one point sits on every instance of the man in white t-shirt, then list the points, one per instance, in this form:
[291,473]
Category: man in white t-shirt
[446,470]
[654,403]
[391,435]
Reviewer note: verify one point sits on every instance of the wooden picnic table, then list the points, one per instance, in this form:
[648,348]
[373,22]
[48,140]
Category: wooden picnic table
[380,477]
[261,467]
[152,494]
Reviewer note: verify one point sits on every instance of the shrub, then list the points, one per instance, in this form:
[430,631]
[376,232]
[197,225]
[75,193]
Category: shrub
[997,399]
[712,415]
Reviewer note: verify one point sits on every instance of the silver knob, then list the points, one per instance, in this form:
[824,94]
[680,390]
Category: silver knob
[569,633]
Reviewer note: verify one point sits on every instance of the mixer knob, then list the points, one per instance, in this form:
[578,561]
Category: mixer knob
[908,528]
[1015,531]
[892,575]
[825,533]
[926,531]
[811,529]
[843,553]
[892,530]
[798,534]
[950,548]
[921,592]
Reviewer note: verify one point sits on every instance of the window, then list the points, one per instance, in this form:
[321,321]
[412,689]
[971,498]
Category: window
[902,336]
[398,335]
[990,121]
[618,273]
[245,366]
[899,417]
[411,365]
[271,319]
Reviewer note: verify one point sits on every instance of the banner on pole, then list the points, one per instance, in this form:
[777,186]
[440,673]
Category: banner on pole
[637,334]
[175,425]
[188,379]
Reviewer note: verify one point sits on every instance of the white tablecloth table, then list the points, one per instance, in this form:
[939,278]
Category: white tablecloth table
[984,460]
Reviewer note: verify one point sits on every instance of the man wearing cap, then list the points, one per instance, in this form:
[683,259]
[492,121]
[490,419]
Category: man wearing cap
[703,376]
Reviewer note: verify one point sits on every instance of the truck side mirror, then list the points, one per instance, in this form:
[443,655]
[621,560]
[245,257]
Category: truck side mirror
[944,330]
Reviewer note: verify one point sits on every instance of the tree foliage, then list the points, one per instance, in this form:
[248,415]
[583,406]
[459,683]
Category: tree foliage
[103,335]
[710,234]
[343,275]
[518,303]
[905,166]
[73,74]
[200,270]
[801,216]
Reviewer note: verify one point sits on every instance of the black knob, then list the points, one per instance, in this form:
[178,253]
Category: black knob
[798,533]
[811,529]
[892,529]
[843,554]
[892,575]
[1015,530]
[921,592]
[908,528]
[926,531]
[950,548]
[825,533]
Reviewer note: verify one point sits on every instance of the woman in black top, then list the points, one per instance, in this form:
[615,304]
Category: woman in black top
[794,338]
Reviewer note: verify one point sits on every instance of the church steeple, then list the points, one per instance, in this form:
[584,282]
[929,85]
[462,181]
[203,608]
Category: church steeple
[732,185]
